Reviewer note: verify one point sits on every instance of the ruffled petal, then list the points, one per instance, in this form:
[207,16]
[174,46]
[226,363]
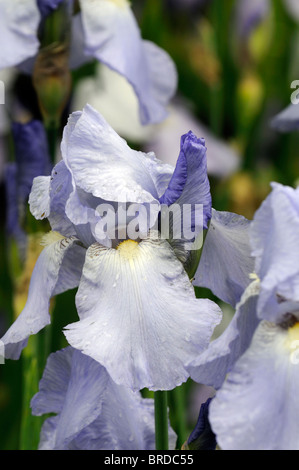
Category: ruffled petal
[19,22]
[39,198]
[257,407]
[70,382]
[49,198]
[113,37]
[132,303]
[48,434]
[163,84]
[43,284]
[226,260]
[71,269]
[273,236]
[53,385]
[102,164]
[94,413]
[212,366]
[59,192]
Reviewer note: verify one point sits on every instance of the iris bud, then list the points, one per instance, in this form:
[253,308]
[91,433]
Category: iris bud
[51,74]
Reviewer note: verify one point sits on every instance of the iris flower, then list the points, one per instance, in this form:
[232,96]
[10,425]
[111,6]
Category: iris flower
[138,313]
[254,363]
[92,412]
[105,30]
[271,292]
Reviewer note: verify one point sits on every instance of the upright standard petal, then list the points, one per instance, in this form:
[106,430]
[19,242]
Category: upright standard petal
[19,21]
[113,37]
[101,162]
[93,413]
[257,408]
[188,197]
[189,182]
[274,241]
[139,316]
[226,260]
[43,284]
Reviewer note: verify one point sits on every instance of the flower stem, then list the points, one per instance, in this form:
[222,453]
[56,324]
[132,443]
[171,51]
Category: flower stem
[161,420]
[178,416]
[30,425]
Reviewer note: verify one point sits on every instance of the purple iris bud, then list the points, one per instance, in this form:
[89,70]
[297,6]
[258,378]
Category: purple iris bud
[191,166]
[202,436]
[103,30]
[46,6]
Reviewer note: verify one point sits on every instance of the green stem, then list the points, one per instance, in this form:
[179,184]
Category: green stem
[30,425]
[177,397]
[161,420]
[56,25]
